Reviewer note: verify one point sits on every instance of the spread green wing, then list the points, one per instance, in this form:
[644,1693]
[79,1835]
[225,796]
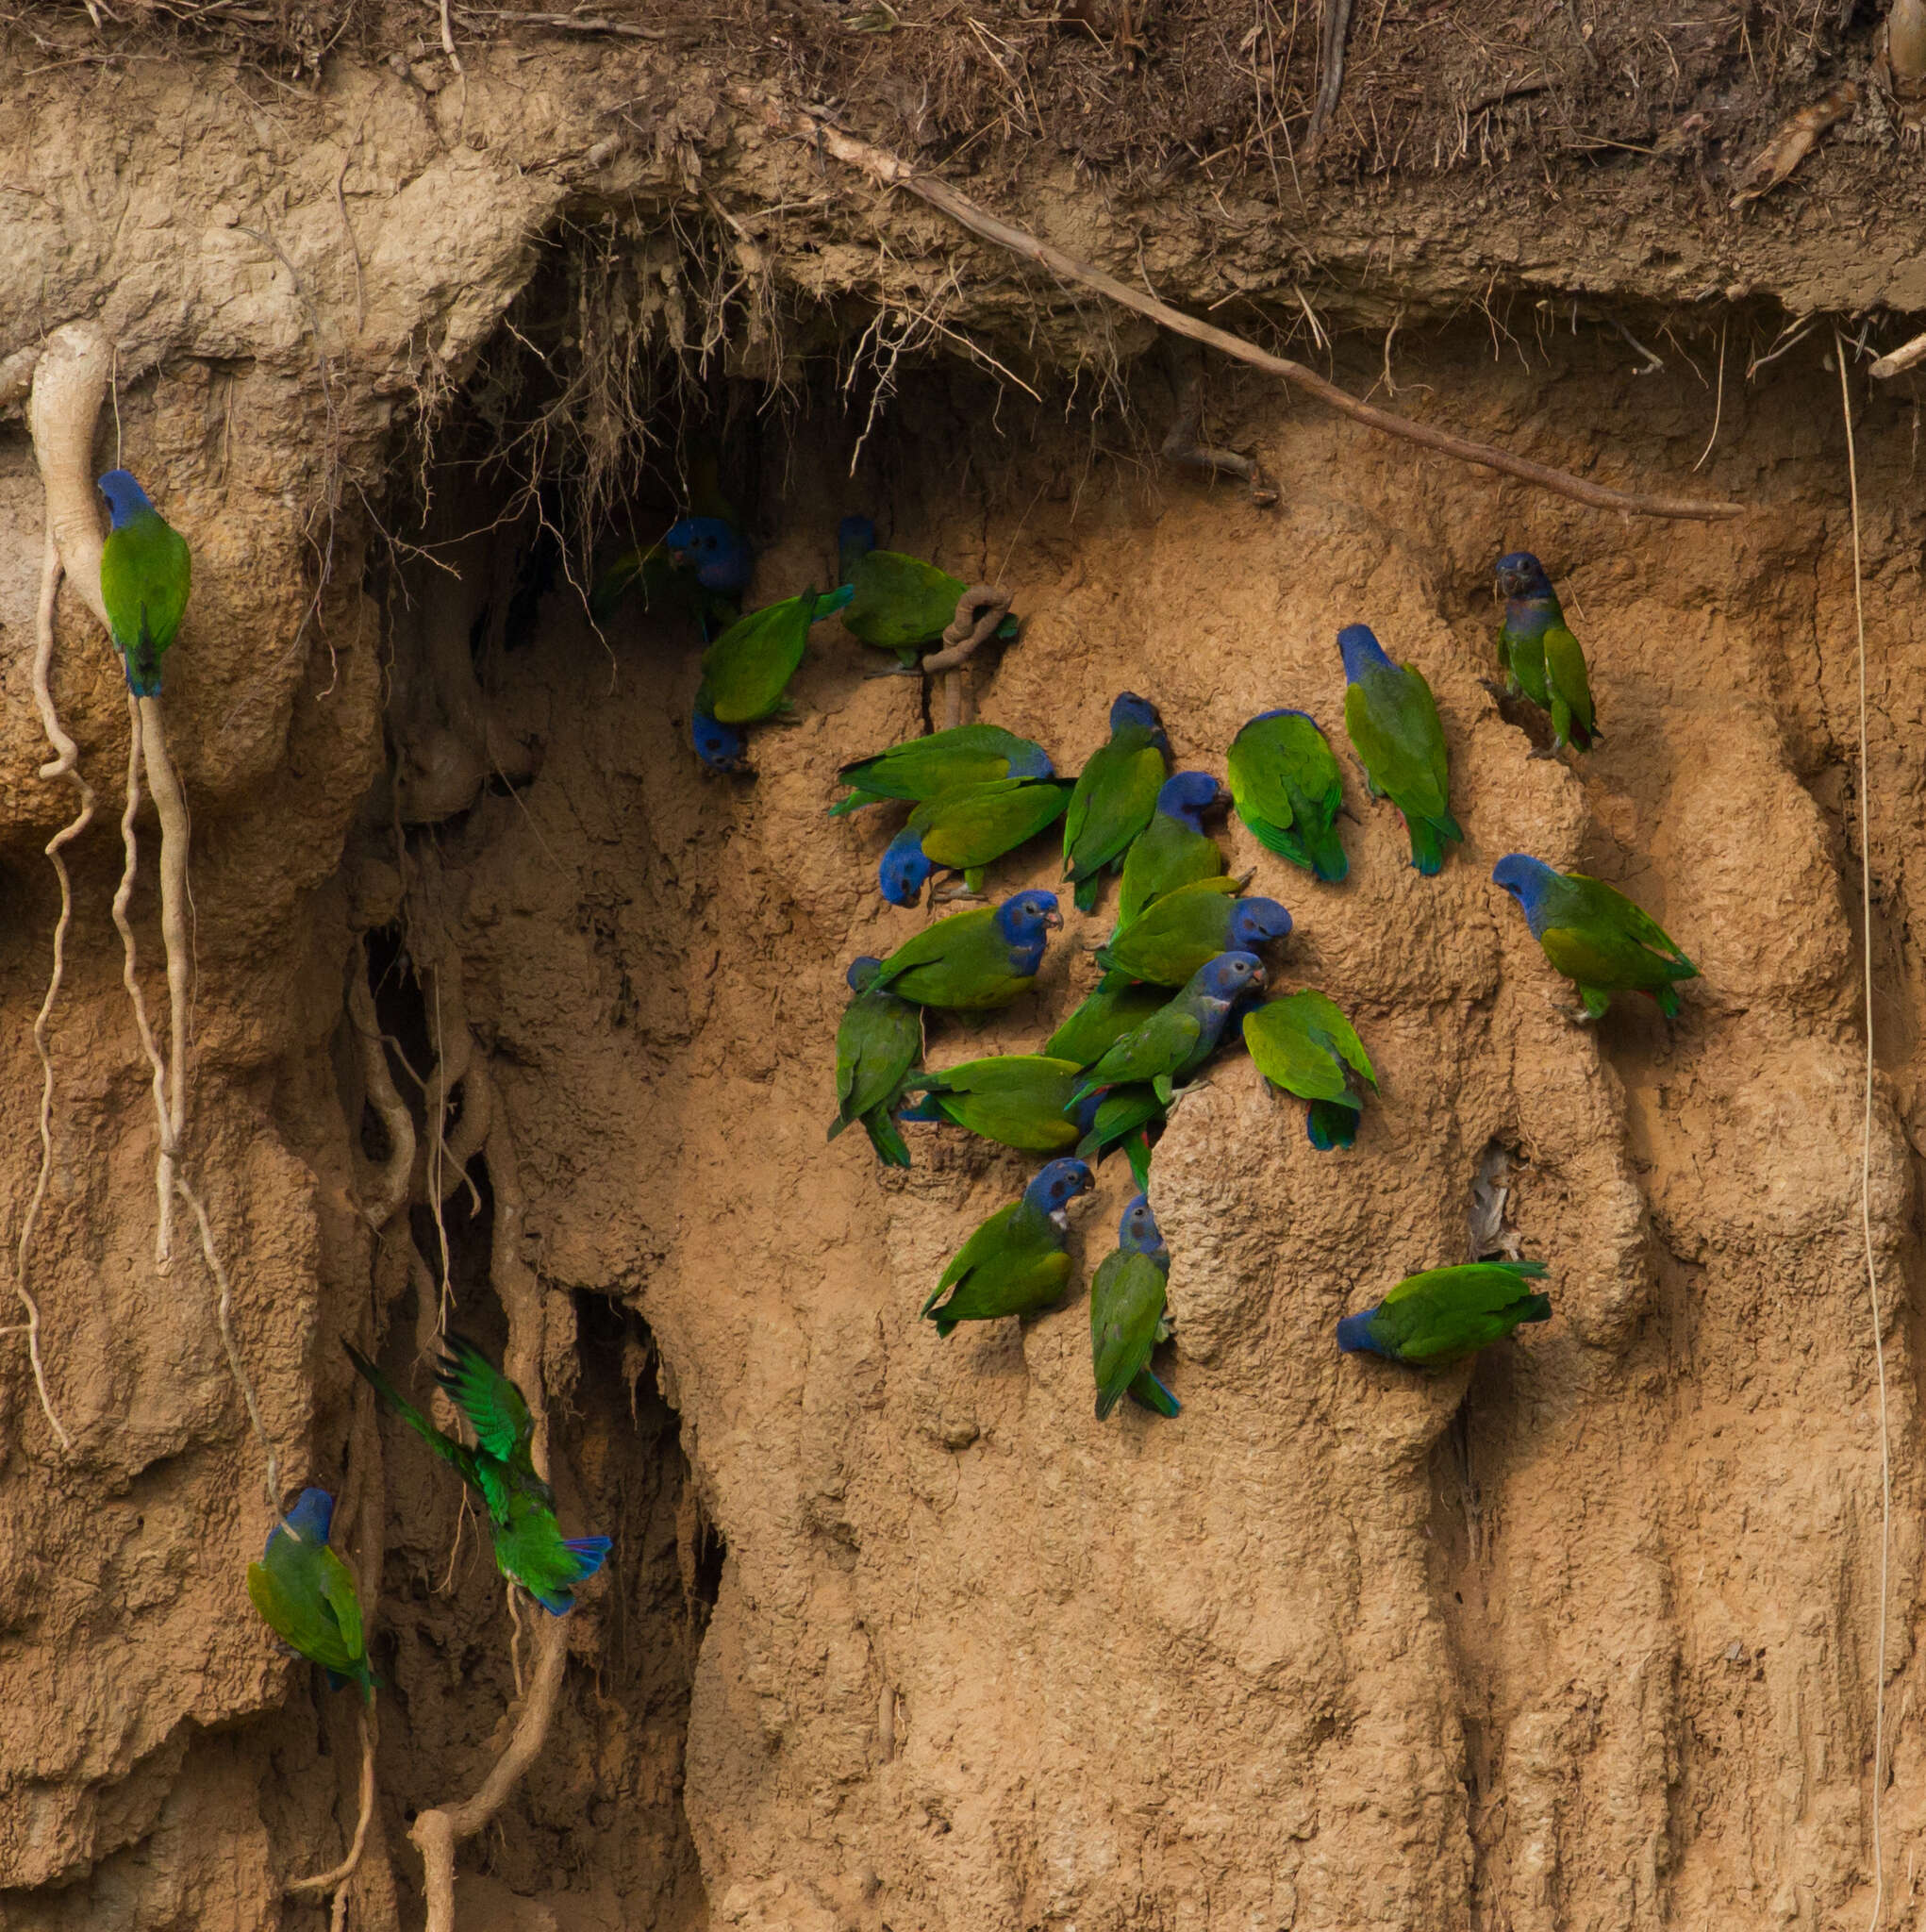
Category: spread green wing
[494,1407]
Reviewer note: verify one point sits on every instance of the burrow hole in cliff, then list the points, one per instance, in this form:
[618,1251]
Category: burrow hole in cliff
[603,1813]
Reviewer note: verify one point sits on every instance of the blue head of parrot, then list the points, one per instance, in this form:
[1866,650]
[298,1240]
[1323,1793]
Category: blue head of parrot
[126,499]
[1136,1233]
[1355,1335]
[1186,795]
[1284,711]
[1025,918]
[1056,1185]
[1228,978]
[905,871]
[714,550]
[855,537]
[1128,708]
[1521,574]
[1257,922]
[862,970]
[1530,882]
[311,1519]
[1362,652]
[719,746]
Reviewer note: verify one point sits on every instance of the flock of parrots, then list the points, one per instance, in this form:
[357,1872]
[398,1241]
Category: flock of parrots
[1183,961]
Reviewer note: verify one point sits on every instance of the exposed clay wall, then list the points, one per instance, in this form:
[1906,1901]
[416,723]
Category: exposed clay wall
[895,1633]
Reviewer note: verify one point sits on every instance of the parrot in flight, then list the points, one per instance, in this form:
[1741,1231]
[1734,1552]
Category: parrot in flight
[1180,1036]
[1392,719]
[1304,1044]
[530,1548]
[1116,797]
[1446,1314]
[879,1040]
[146,573]
[900,603]
[1015,1262]
[1173,849]
[1538,654]
[306,1595]
[1128,1318]
[974,961]
[924,768]
[1595,935]
[1288,791]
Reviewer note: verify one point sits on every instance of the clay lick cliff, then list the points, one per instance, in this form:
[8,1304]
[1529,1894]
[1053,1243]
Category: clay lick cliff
[397,969]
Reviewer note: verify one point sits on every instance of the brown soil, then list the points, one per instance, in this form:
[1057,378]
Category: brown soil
[895,1634]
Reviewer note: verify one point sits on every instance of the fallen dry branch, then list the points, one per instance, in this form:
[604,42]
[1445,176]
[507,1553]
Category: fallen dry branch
[892,172]
[1795,138]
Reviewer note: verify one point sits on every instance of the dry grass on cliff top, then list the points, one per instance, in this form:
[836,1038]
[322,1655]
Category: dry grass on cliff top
[1140,86]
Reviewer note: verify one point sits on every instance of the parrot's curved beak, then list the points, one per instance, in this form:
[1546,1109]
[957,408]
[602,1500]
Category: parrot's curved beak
[1052,919]
[678,558]
[1257,978]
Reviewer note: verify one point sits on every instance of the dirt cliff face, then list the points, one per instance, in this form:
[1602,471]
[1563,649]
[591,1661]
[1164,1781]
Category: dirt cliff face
[895,1633]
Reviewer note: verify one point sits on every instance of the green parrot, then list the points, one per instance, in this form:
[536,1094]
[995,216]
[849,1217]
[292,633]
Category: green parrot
[1105,1015]
[1595,935]
[306,1595]
[1015,1262]
[1121,1117]
[1180,1036]
[965,830]
[900,603]
[1287,790]
[1446,1314]
[878,1041]
[924,768]
[530,1548]
[1304,1044]
[146,573]
[1539,655]
[973,961]
[746,671]
[1168,942]
[1115,796]
[1173,849]
[1128,1318]
[1015,1098]
[1392,719]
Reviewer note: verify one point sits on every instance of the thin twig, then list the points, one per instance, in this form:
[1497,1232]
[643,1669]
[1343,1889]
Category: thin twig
[892,172]
[1719,408]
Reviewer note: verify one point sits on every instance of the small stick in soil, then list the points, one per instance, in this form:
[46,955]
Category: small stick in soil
[892,172]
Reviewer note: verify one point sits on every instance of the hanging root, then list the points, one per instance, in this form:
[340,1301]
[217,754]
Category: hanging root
[65,765]
[1184,441]
[437,1833]
[979,610]
[69,383]
[166,1162]
[334,1881]
[385,1192]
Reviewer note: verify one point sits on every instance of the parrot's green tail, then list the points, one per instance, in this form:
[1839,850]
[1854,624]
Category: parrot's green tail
[360,1675]
[1087,890]
[1137,1150]
[1329,860]
[1332,1123]
[1285,841]
[886,1138]
[1537,1307]
[1427,841]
